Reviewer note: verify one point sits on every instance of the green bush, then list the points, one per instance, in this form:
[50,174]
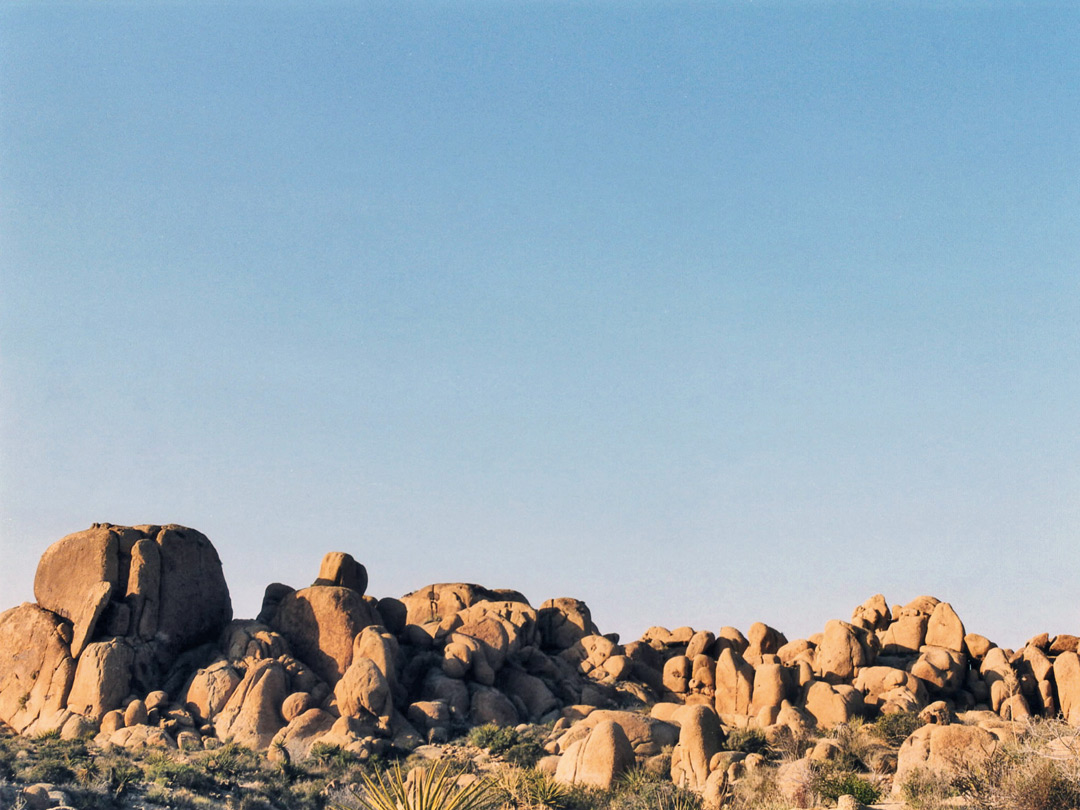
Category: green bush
[896,727]
[832,784]
[747,740]
[516,748]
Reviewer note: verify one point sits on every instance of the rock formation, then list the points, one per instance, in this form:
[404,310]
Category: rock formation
[132,639]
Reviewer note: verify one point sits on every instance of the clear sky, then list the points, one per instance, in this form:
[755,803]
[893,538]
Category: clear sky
[704,313]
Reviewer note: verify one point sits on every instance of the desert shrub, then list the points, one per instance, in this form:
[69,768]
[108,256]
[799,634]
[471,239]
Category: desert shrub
[896,727]
[436,788]
[333,759]
[517,748]
[758,790]
[831,783]
[747,740]
[788,745]
[167,772]
[926,790]
[529,788]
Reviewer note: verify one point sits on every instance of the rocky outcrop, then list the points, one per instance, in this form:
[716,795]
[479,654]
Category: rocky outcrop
[132,640]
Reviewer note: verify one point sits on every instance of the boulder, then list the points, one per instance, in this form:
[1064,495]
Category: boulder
[563,622]
[830,705]
[598,760]
[36,668]
[844,649]
[944,628]
[194,604]
[734,683]
[102,678]
[700,738]
[252,715]
[944,750]
[1067,678]
[210,689]
[340,569]
[319,623]
[363,692]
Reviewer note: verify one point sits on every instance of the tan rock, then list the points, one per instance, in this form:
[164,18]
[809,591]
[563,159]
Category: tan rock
[194,599]
[1064,643]
[598,760]
[873,614]
[703,676]
[619,667]
[977,646]
[844,649]
[880,684]
[944,628]
[677,672]
[135,714]
[296,704]
[363,692]
[35,681]
[531,691]
[441,601]
[941,669]
[946,751]
[340,569]
[700,737]
[210,689]
[734,684]
[319,623]
[75,566]
[102,678]
[763,640]
[1067,678]
[906,635]
[731,638]
[648,736]
[143,591]
[770,688]
[830,705]
[252,715]
[563,622]
[492,706]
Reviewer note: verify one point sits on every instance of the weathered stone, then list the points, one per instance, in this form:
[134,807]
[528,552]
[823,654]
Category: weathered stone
[1067,678]
[944,628]
[252,715]
[319,623]
[492,706]
[75,566]
[210,689]
[873,614]
[763,640]
[36,669]
[844,649]
[906,635]
[700,737]
[102,678]
[677,672]
[946,751]
[734,684]
[195,605]
[340,569]
[302,732]
[563,622]
[363,692]
[830,705]
[598,760]
[143,591]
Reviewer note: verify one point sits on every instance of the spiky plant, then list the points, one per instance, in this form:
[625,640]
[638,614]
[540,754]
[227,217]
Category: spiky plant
[436,789]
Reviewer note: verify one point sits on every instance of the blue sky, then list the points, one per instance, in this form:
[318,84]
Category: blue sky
[703,313]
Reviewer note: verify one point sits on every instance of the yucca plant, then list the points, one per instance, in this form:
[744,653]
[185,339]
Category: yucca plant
[436,789]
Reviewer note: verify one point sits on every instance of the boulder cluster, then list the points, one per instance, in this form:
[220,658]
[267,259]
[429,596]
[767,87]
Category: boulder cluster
[132,640]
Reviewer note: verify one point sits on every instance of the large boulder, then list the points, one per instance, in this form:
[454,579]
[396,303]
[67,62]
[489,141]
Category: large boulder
[598,759]
[252,714]
[320,624]
[36,668]
[339,568]
[436,603]
[563,622]
[946,751]
[700,738]
[153,583]
[102,678]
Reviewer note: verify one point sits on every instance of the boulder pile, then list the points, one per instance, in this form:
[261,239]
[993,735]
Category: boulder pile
[132,640]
